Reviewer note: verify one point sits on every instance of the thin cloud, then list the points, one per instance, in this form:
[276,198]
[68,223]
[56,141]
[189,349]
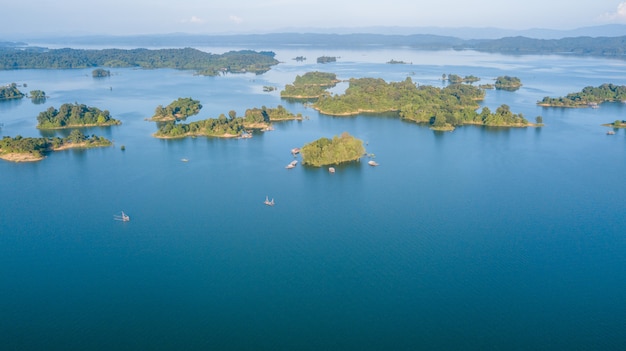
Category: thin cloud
[619,15]
[235,19]
[193,19]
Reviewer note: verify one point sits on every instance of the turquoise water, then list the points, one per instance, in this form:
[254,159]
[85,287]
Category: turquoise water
[480,239]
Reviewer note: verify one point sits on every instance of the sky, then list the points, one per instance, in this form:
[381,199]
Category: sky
[131,17]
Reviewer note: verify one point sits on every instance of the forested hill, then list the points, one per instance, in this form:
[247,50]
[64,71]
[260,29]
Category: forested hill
[204,63]
[601,46]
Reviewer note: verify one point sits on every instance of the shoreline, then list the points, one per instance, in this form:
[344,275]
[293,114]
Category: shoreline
[69,126]
[30,157]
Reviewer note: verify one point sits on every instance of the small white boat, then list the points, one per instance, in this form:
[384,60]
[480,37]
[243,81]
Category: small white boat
[610,132]
[295,150]
[290,166]
[184,160]
[123,217]
[372,163]
[331,169]
[268,202]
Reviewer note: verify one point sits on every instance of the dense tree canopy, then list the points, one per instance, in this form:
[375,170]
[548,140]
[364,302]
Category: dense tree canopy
[311,85]
[267,115]
[178,109]
[37,147]
[187,58]
[10,92]
[508,83]
[442,108]
[588,96]
[324,151]
[74,115]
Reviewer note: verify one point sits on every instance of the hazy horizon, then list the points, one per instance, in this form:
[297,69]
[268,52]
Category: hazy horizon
[76,17]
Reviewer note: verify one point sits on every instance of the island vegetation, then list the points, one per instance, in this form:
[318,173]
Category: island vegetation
[508,83]
[10,91]
[617,124]
[326,59]
[177,110]
[441,108]
[396,62]
[456,79]
[188,59]
[100,73]
[74,115]
[588,97]
[20,149]
[310,85]
[339,149]
[38,96]
[227,127]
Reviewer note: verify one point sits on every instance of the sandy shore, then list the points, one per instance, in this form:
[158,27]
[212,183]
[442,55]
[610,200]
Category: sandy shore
[21,157]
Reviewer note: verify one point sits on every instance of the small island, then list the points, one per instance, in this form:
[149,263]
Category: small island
[74,116]
[617,124]
[588,97]
[508,83]
[228,127]
[396,62]
[19,149]
[326,59]
[10,91]
[177,110]
[311,85]
[324,151]
[100,73]
[456,79]
[38,96]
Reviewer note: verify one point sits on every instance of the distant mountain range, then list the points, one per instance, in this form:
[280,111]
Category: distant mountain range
[609,30]
[608,40]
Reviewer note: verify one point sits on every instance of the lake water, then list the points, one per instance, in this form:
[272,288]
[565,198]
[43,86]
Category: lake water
[479,239]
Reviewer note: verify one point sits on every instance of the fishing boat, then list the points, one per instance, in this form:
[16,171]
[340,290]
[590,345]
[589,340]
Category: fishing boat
[295,150]
[268,202]
[292,164]
[122,217]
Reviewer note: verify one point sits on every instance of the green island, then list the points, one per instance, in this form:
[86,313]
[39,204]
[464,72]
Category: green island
[37,95]
[100,73]
[19,149]
[73,116]
[442,109]
[177,110]
[396,62]
[186,59]
[10,91]
[228,127]
[456,79]
[588,97]
[311,85]
[617,124]
[325,151]
[326,59]
[508,83]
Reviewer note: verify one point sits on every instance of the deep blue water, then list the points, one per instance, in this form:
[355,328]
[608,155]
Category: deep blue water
[479,239]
